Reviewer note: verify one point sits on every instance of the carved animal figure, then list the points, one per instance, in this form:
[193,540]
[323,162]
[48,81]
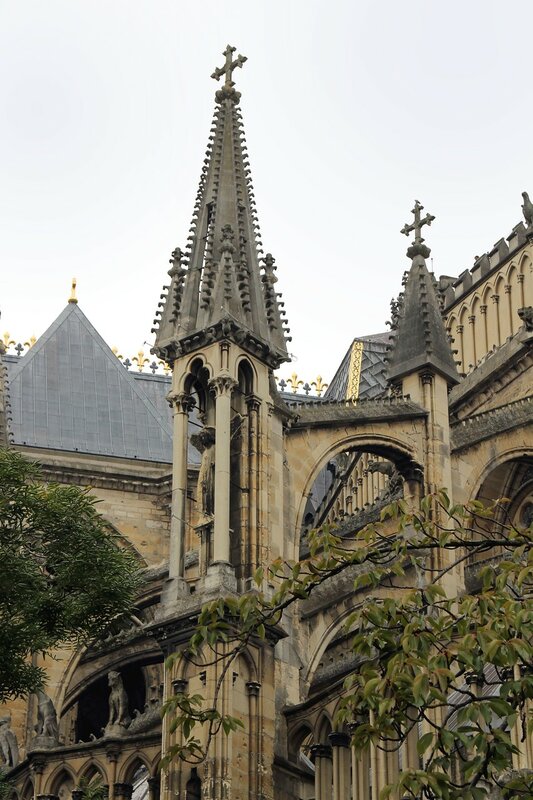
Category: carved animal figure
[118,701]
[8,743]
[527,209]
[46,717]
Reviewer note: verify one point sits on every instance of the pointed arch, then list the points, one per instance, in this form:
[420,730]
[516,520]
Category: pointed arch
[61,782]
[132,765]
[526,287]
[91,770]
[323,727]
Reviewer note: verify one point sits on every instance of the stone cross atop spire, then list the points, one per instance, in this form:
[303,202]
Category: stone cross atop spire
[417,248]
[222,285]
[228,91]
[229,66]
[421,341]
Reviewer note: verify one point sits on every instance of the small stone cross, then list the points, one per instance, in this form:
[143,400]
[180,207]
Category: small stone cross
[416,226]
[229,66]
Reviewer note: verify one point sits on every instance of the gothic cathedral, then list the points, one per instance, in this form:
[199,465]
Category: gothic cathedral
[209,468]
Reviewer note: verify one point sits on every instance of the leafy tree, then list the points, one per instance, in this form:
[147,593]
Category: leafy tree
[454,669]
[63,578]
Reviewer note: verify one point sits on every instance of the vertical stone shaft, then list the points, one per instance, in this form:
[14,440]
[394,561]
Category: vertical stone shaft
[254,755]
[222,386]
[321,756]
[253,404]
[340,744]
[181,405]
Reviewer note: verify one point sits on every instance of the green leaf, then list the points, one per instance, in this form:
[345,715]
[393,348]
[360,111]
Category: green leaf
[424,743]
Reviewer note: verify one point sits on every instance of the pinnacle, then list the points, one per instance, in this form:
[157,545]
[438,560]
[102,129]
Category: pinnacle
[420,340]
[222,274]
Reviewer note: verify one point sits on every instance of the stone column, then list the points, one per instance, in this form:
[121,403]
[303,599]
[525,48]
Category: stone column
[472,323]
[123,791]
[321,756]
[254,756]
[154,788]
[340,745]
[181,404]
[484,323]
[37,768]
[509,322]
[496,300]
[222,386]
[112,754]
[459,329]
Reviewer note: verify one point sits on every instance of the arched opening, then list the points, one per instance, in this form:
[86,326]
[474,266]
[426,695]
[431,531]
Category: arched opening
[193,789]
[350,491]
[63,785]
[138,777]
[513,479]
[93,703]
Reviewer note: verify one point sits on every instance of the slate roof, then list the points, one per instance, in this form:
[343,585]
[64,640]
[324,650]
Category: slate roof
[70,392]
[372,381]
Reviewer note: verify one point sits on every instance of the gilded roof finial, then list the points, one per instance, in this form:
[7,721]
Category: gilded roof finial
[73,298]
[418,248]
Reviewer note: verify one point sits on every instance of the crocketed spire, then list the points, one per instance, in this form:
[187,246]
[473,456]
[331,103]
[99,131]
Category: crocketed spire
[221,286]
[420,339]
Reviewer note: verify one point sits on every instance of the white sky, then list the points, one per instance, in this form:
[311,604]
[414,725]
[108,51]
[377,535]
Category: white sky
[351,109]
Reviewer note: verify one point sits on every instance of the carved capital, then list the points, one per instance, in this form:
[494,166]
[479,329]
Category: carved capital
[507,288]
[179,686]
[320,751]
[472,319]
[460,328]
[222,385]
[339,739]
[520,278]
[123,790]
[112,752]
[252,687]
[495,298]
[37,764]
[183,403]
[427,378]
[483,309]
[253,403]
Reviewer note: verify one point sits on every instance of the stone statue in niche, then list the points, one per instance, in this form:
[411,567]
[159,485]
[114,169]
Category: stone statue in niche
[8,744]
[204,441]
[119,717]
[47,729]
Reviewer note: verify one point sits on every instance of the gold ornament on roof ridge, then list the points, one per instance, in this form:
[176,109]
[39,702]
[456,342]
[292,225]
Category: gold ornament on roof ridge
[73,298]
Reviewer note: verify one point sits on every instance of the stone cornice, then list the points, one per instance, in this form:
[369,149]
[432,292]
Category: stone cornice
[105,480]
[332,413]
[468,432]
[224,329]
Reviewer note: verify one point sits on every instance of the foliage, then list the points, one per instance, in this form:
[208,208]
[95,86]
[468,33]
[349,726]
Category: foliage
[93,789]
[456,670]
[6,787]
[63,578]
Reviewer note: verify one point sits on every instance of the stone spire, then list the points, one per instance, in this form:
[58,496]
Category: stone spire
[222,286]
[420,337]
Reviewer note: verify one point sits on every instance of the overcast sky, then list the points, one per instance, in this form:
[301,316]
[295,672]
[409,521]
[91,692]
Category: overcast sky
[352,109]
